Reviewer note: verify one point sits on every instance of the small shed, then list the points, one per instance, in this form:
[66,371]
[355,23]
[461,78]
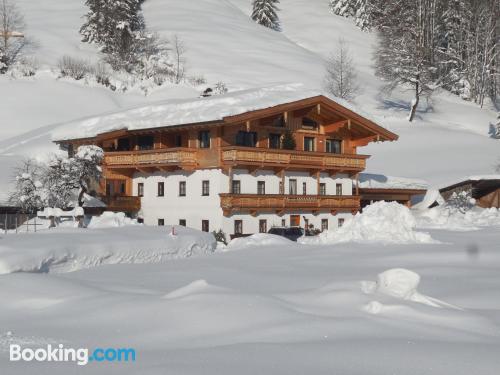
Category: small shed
[484,189]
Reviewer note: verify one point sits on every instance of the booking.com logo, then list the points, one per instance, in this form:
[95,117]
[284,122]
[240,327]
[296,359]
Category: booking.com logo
[81,356]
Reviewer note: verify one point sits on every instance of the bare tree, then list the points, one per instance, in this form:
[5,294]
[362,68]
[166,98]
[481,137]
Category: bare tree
[11,33]
[179,50]
[341,77]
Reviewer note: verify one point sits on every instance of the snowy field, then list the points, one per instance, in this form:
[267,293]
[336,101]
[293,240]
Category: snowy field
[268,306]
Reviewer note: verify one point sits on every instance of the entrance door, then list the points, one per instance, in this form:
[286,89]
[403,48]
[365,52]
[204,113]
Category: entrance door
[295,220]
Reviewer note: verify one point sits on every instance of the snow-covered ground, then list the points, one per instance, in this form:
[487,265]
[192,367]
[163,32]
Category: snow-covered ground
[335,309]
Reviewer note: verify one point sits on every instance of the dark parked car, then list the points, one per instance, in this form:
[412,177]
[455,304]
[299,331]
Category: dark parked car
[292,233]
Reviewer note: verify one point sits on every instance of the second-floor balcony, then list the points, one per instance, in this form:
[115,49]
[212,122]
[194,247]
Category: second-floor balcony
[184,158]
[291,159]
[254,203]
[122,203]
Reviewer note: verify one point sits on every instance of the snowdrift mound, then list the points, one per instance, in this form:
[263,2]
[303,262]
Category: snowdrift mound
[401,284]
[111,219]
[260,239]
[381,222]
[446,217]
[67,250]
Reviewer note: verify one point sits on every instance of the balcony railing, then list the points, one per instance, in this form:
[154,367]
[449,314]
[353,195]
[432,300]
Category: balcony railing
[255,202]
[122,203]
[263,156]
[164,157]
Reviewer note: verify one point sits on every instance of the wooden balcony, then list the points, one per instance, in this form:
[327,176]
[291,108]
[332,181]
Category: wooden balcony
[290,159]
[122,203]
[254,203]
[183,158]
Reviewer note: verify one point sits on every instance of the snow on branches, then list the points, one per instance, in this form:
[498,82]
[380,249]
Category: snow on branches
[265,13]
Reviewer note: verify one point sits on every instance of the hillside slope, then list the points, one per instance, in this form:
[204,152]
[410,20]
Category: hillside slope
[448,140]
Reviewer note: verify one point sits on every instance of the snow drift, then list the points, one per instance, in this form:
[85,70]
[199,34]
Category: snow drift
[381,222]
[67,250]
[259,239]
[450,218]
[401,284]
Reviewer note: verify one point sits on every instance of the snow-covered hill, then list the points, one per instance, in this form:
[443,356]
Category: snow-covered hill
[448,140]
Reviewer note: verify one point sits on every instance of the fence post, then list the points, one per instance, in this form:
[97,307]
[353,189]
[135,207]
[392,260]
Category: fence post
[5,222]
[16,221]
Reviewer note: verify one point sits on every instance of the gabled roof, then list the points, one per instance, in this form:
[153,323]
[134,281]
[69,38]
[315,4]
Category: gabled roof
[229,108]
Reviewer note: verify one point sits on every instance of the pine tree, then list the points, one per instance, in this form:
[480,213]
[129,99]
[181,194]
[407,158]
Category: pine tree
[115,26]
[265,13]
[359,10]
[288,142]
[344,8]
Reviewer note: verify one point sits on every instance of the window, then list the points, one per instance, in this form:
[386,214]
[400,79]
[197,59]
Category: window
[182,222]
[178,140]
[145,142]
[204,139]
[161,189]
[322,188]
[292,187]
[324,224]
[283,222]
[205,225]
[263,226]
[161,222]
[261,187]
[238,227]
[205,188]
[182,188]
[274,140]
[236,187]
[333,146]
[246,139]
[308,143]
[309,123]
[123,144]
[304,188]
[140,189]
[282,188]
[279,121]
[341,222]
[338,189]
[122,187]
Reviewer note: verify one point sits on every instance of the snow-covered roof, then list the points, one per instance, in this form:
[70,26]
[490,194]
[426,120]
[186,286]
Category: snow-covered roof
[465,180]
[191,111]
[379,181]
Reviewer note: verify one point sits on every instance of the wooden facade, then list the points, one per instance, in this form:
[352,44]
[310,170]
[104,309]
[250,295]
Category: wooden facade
[486,191]
[327,136]
[402,196]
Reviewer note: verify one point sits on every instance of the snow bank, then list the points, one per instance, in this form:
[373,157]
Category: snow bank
[380,222]
[260,239]
[449,218]
[399,283]
[66,250]
[110,220]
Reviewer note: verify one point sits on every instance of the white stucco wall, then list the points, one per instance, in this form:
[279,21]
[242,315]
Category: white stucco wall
[194,207]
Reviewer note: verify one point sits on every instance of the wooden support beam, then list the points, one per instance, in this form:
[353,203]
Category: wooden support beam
[336,126]
[360,142]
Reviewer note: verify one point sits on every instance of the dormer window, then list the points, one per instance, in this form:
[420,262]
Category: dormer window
[309,123]
[279,122]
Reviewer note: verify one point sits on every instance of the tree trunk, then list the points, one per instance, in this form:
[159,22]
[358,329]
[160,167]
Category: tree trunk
[414,103]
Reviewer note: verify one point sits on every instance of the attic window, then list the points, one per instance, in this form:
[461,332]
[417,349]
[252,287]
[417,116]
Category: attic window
[279,122]
[309,123]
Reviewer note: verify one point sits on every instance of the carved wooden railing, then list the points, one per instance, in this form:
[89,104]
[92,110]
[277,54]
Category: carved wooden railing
[263,156]
[238,202]
[171,156]
[122,203]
